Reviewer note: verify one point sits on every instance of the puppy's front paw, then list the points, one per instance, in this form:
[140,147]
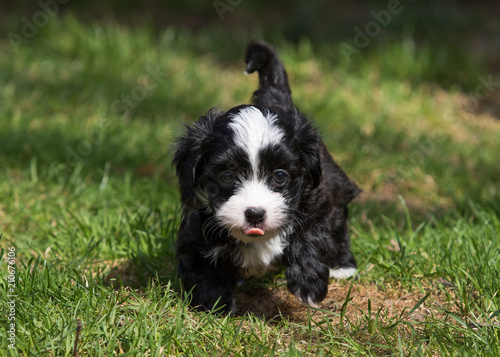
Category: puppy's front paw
[309,284]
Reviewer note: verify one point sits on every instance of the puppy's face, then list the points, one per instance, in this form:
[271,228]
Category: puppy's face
[250,173]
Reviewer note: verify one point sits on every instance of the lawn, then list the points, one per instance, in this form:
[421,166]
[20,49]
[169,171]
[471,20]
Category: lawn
[89,206]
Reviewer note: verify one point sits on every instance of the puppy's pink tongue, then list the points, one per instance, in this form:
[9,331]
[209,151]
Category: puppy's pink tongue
[254,231]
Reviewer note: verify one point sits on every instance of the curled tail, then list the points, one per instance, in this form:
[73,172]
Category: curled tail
[273,90]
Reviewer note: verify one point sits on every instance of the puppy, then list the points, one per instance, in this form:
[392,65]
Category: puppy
[259,188]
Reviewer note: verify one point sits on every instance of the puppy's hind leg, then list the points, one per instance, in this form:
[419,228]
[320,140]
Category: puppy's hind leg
[343,272]
[342,264]
[273,90]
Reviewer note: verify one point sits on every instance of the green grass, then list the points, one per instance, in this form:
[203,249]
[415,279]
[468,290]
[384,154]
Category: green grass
[89,200]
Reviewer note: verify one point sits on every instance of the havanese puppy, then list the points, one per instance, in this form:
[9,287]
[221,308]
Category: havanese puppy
[259,189]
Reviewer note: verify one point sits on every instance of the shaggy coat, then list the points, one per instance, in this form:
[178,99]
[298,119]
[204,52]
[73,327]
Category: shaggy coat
[259,188]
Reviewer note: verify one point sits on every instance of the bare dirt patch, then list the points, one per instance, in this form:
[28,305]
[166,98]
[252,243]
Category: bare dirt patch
[388,301]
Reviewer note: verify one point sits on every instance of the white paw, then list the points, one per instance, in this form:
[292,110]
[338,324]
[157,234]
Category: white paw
[342,273]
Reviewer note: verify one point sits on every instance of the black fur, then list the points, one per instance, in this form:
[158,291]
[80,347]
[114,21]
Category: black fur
[316,193]
[273,90]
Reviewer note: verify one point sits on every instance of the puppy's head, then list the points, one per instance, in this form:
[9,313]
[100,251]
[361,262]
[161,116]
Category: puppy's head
[249,168]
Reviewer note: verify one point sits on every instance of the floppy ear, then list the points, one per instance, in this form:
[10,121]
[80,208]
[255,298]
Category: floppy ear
[308,144]
[190,150]
[312,166]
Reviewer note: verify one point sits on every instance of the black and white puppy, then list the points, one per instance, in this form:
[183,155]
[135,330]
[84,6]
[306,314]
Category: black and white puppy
[258,188]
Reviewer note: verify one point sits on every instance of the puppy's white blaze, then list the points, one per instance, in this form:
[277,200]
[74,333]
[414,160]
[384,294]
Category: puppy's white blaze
[253,194]
[342,273]
[254,130]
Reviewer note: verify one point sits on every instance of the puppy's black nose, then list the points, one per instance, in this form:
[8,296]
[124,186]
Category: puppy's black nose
[255,215]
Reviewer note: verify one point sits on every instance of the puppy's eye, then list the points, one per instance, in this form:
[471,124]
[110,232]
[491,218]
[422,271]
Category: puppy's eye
[280,178]
[227,178]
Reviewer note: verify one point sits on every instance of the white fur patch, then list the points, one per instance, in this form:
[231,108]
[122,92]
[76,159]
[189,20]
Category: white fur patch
[253,131]
[342,273]
[257,254]
[254,258]
[253,194]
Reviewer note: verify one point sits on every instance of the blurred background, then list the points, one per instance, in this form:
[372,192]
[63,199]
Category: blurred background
[468,30]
